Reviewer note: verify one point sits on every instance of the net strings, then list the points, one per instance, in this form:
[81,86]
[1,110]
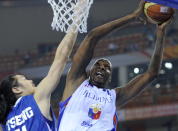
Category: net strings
[65,15]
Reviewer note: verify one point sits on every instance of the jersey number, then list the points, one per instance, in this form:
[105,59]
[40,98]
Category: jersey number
[23,129]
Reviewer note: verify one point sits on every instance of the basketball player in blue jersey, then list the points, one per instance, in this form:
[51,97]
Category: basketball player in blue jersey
[88,105]
[24,107]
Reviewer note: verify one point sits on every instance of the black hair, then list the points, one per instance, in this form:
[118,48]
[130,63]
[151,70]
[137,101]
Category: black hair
[7,97]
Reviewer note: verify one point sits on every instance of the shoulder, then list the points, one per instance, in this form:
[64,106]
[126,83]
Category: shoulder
[117,90]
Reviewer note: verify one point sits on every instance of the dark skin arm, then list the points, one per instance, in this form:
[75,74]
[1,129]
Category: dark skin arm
[77,74]
[138,84]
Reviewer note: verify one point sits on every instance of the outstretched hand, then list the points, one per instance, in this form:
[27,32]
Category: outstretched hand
[78,9]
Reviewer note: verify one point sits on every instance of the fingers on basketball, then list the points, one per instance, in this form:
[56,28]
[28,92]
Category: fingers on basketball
[156,13]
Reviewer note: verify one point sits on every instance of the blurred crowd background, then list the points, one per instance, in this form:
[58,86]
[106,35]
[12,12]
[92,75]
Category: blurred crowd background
[28,44]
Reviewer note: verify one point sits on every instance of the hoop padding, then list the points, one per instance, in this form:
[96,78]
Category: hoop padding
[70,12]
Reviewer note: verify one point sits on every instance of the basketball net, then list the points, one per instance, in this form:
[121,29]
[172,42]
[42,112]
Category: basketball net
[70,13]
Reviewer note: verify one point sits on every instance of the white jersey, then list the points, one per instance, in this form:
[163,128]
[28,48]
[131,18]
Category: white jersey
[89,109]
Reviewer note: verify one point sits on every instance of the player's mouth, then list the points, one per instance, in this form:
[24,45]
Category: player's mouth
[99,74]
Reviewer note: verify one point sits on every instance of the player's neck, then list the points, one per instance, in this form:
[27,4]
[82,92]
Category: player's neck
[98,85]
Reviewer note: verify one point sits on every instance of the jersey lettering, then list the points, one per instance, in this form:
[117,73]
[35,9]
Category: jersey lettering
[18,120]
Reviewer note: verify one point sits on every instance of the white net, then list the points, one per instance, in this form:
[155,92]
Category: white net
[70,12]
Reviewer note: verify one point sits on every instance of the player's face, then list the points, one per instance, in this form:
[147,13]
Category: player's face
[100,73]
[26,86]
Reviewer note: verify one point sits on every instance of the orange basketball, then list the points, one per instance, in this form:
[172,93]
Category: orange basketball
[156,13]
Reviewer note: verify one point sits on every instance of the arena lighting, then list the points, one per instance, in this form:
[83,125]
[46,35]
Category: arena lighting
[168,65]
[136,70]
[157,85]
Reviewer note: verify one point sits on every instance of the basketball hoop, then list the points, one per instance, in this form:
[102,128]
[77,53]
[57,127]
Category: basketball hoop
[68,13]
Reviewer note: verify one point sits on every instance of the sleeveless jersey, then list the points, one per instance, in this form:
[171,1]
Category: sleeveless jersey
[88,109]
[26,116]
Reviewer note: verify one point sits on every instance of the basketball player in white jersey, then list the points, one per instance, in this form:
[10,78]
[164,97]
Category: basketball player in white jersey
[88,105]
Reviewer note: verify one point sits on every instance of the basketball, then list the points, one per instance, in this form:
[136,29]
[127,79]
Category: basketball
[156,13]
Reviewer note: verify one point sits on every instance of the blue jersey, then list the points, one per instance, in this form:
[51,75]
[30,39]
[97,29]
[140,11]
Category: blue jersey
[170,3]
[26,116]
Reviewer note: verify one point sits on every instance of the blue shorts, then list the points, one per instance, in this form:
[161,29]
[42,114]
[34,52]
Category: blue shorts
[170,3]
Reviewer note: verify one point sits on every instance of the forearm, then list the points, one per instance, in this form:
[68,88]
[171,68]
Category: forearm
[156,59]
[49,83]
[86,50]
[65,47]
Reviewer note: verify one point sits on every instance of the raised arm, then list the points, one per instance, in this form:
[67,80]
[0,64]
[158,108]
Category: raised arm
[135,86]
[84,54]
[49,83]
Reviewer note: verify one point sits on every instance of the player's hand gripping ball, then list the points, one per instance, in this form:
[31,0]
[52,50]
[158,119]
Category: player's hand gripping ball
[156,13]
